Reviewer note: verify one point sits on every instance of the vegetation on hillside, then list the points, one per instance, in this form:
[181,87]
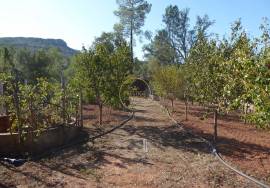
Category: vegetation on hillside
[35,44]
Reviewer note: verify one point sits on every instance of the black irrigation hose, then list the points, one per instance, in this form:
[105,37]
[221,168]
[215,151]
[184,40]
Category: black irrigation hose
[113,129]
[18,162]
[215,153]
[237,171]
[15,162]
[83,140]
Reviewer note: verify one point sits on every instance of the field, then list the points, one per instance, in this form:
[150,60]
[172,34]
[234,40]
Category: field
[58,96]
[173,158]
[241,144]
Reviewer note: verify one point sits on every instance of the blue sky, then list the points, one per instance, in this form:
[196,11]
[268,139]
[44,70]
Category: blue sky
[78,22]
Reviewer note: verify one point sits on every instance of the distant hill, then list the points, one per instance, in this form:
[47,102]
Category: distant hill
[37,43]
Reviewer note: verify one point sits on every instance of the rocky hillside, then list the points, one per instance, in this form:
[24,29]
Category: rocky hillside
[38,43]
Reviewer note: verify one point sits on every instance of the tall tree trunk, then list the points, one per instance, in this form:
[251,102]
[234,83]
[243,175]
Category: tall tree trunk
[131,41]
[131,46]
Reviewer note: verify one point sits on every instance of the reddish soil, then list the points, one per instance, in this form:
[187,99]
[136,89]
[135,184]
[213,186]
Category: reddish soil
[110,116]
[241,144]
[173,158]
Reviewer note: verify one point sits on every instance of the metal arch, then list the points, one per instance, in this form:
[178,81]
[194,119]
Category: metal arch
[134,79]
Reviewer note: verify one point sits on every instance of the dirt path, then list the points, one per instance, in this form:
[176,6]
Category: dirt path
[174,159]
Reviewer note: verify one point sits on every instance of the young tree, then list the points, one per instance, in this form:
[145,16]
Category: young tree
[238,63]
[257,82]
[11,77]
[168,82]
[259,86]
[203,72]
[103,68]
[132,14]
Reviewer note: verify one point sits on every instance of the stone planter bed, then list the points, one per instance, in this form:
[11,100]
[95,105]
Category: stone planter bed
[47,140]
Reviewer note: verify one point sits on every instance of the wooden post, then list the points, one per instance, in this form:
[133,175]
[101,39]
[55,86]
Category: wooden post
[2,110]
[81,109]
[172,105]
[245,113]
[4,106]
[100,113]
[63,98]
[17,104]
[186,106]
[215,127]
[186,110]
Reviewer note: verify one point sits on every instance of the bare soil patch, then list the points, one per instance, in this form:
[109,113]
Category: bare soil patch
[241,144]
[174,158]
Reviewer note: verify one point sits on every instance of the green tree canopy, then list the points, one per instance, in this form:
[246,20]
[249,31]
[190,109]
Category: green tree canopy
[103,68]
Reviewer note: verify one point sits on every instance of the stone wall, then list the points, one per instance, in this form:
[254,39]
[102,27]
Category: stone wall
[48,139]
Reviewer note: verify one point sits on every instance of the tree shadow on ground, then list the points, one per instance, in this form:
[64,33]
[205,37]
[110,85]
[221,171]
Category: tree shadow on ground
[174,136]
[88,107]
[88,158]
[232,147]
[82,160]
[76,160]
[87,117]
[79,161]
[145,119]
[171,136]
[120,116]
[5,186]
[31,175]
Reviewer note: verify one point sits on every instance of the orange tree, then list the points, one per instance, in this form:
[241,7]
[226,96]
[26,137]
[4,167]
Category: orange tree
[102,68]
